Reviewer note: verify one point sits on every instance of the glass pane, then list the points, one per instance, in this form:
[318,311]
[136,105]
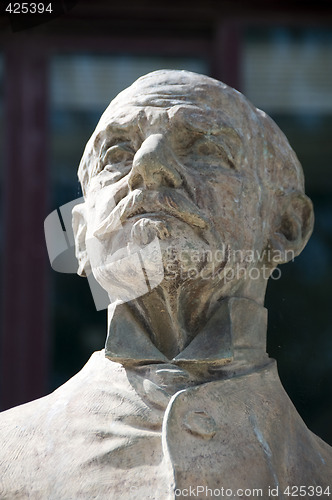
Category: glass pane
[289,71]
[89,83]
[81,88]
[1,161]
[288,74]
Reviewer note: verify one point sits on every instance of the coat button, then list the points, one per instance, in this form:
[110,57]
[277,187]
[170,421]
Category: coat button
[200,424]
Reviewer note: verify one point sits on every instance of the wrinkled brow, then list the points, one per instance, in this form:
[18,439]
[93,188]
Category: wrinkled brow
[208,124]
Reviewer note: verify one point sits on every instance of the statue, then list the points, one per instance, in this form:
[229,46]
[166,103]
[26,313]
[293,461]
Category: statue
[184,401]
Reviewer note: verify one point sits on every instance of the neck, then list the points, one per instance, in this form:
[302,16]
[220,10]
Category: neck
[174,316]
[234,337]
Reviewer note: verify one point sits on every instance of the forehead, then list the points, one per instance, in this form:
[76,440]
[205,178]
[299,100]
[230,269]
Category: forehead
[175,101]
[171,88]
[142,107]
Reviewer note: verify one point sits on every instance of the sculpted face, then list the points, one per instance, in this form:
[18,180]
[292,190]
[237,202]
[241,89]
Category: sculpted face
[172,159]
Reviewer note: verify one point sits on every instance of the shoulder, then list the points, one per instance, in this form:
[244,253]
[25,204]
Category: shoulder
[247,420]
[33,434]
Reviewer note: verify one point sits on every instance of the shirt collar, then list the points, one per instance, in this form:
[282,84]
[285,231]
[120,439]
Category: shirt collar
[236,332]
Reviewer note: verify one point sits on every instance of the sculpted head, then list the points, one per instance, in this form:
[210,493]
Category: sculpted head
[186,159]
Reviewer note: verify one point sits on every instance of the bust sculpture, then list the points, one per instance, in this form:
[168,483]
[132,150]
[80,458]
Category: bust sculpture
[184,401]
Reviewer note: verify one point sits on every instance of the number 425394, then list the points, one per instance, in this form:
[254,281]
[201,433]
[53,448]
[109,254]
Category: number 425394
[28,8]
[307,491]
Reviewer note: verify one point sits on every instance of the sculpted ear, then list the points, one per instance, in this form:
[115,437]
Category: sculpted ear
[292,227]
[79,229]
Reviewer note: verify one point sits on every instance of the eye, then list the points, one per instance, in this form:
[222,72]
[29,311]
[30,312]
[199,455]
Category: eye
[206,148]
[212,152]
[121,153]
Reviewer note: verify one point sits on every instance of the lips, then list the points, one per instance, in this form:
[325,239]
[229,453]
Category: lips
[165,201]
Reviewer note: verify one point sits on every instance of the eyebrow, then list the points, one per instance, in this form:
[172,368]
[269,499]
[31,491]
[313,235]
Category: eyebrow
[114,132]
[200,123]
[215,129]
[197,122]
[117,130]
[232,143]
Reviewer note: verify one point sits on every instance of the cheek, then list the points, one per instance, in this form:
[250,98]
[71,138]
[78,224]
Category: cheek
[233,207]
[100,203]
[222,202]
[221,195]
[252,214]
[96,250]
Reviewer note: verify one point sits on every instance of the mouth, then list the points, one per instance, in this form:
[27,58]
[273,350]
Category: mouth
[152,204]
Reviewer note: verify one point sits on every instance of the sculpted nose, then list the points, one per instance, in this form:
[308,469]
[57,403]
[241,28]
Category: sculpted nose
[154,165]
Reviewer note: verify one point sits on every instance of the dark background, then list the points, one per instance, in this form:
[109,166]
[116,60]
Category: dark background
[56,78]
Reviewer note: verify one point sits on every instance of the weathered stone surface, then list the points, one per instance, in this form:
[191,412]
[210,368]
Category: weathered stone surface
[192,197]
